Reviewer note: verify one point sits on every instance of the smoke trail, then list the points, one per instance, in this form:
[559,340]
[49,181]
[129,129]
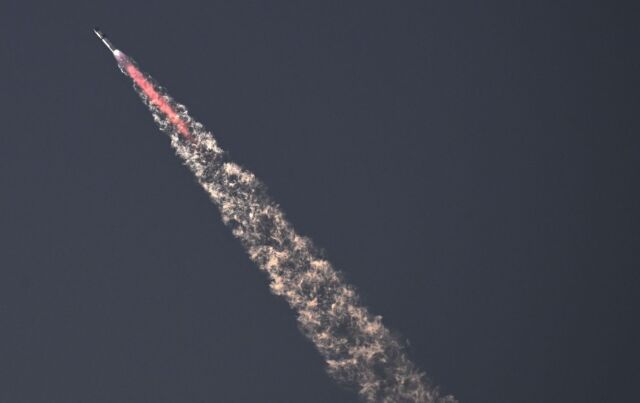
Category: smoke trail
[359,351]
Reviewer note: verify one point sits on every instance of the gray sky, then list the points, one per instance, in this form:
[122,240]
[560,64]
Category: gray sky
[471,168]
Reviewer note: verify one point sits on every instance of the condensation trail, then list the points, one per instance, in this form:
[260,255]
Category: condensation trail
[359,351]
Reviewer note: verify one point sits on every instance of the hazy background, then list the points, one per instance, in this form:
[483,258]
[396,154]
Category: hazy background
[471,166]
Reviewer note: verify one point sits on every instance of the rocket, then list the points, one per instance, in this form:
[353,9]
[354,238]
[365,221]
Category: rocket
[152,94]
[104,40]
[122,59]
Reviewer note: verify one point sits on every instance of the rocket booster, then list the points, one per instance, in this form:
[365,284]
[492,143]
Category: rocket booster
[104,40]
[152,93]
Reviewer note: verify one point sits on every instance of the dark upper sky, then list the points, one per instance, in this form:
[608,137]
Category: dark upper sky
[471,166]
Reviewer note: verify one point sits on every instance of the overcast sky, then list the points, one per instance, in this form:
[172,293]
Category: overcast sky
[472,168]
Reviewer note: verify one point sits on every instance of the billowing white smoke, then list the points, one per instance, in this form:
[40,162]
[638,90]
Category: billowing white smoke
[358,349]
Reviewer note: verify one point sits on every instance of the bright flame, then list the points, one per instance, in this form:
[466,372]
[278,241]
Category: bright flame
[155,98]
